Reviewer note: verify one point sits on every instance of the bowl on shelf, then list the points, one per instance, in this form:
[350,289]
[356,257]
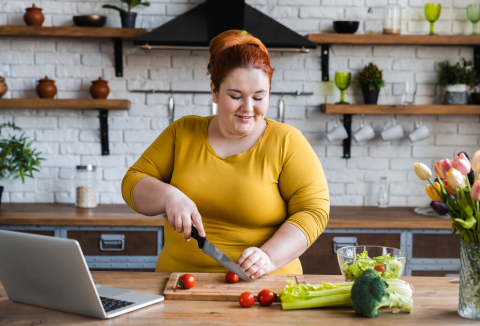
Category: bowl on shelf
[90,20]
[345,26]
[389,262]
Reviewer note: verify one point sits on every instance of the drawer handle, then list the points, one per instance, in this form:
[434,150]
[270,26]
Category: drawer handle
[343,242]
[112,239]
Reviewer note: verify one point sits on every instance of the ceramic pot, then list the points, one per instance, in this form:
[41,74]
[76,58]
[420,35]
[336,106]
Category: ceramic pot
[455,95]
[99,89]
[3,87]
[128,19]
[370,96]
[46,88]
[34,16]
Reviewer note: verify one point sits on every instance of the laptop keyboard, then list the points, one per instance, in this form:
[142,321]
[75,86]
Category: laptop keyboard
[110,304]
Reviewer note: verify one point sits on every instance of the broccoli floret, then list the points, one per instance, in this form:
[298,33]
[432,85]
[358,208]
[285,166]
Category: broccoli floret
[369,292]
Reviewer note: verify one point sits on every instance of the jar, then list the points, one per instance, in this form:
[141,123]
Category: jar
[99,89]
[383,195]
[392,18]
[85,186]
[46,88]
[370,23]
[33,16]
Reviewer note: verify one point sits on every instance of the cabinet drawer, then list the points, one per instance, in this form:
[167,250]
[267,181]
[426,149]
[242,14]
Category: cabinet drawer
[48,233]
[435,246]
[320,258]
[136,243]
[434,273]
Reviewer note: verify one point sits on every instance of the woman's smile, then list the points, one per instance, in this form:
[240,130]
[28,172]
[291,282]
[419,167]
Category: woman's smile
[244,118]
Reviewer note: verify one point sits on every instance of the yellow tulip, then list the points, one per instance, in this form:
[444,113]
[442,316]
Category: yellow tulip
[476,161]
[432,193]
[422,171]
[455,179]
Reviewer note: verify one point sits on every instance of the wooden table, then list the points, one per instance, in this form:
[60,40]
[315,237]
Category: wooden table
[435,303]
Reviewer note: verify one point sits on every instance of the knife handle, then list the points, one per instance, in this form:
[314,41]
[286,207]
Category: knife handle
[196,236]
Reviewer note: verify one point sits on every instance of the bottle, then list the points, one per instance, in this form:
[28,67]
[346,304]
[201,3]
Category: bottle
[85,186]
[392,18]
[370,23]
[383,195]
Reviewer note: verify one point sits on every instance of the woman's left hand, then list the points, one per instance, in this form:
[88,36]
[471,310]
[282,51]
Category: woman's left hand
[255,262]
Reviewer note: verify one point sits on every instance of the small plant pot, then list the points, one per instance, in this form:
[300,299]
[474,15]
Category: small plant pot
[455,95]
[475,98]
[370,96]
[1,192]
[128,19]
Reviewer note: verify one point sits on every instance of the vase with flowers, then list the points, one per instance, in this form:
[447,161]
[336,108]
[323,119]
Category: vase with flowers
[370,81]
[456,192]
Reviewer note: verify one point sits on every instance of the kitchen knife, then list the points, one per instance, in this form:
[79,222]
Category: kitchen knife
[209,249]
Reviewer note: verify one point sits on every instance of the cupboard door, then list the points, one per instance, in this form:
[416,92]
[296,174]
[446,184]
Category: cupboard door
[434,273]
[50,233]
[435,246]
[320,258]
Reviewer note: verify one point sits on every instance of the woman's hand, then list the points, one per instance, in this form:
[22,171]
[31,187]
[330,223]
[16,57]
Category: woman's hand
[181,211]
[255,262]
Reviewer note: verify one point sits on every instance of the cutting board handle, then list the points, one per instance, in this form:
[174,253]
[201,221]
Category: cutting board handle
[196,236]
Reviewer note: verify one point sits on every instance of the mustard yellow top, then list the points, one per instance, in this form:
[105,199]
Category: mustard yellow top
[243,199]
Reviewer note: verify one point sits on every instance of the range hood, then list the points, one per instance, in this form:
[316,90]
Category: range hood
[194,29]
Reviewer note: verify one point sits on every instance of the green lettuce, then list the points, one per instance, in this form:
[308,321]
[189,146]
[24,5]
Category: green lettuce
[361,262]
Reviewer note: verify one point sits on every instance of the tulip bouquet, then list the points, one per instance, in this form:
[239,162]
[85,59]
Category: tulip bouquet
[456,192]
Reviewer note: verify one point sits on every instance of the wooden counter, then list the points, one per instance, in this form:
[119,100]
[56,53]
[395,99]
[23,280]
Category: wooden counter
[122,215]
[435,303]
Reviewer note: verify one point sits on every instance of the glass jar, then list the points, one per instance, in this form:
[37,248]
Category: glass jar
[383,195]
[86,186]
[370,23]
[392,18]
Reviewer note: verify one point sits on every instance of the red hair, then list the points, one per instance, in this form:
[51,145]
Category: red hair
[235,49]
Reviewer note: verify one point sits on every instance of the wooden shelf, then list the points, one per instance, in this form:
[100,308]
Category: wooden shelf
[70,31]
[334,38]
[64,104]
[401,109]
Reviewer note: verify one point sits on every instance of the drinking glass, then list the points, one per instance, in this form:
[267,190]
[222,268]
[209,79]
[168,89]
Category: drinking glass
[410,92]
[383,195]
[473,14]
[432,12]
[342,80]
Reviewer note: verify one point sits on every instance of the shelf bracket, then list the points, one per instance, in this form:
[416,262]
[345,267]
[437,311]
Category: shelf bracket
[104,131]
[118,56]
[347,142]
[324,61]
[476,61]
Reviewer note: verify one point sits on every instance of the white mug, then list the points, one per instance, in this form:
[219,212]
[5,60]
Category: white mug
[365,132]
[338,132]
[392,132]
[421,131]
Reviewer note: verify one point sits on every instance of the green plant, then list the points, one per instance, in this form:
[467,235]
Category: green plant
[130,3]
[17,159]
[460,73]
[371,77]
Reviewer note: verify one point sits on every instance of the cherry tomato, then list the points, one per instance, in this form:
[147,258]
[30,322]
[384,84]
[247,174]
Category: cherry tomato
[266,297]
[187,281]
[231,277]
[246,299]
[379,268]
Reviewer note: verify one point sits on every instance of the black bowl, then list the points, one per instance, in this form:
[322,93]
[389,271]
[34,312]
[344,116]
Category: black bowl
[345,26]
[90,20]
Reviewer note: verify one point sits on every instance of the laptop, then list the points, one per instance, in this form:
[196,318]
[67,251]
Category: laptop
[52,273]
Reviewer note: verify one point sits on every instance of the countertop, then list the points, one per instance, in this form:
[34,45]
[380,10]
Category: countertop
[122,215]
[435,303]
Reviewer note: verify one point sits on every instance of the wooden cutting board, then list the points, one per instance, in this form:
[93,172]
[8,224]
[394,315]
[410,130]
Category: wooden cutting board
[213,287]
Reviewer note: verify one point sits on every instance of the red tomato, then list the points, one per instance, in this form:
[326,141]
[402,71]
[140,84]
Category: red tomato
[231,277]
[379,268]
[246,299]
[266,297]
[187,281]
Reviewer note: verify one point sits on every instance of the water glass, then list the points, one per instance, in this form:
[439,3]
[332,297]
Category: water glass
[383,195]
[342,80]
[432,13]
[409,94]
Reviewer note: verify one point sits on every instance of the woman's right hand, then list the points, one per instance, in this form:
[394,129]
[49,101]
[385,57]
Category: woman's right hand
[181,211]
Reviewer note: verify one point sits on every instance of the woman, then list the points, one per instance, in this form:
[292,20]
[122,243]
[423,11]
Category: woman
[254,186]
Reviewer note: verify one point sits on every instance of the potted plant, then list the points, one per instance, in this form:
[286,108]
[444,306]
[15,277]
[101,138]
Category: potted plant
[17,159]
[127,16]
[454,79]
[370,81]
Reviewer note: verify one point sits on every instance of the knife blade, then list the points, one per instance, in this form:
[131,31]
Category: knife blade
[216,254]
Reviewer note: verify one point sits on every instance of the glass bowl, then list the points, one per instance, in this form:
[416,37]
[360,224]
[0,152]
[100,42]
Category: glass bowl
[390,266]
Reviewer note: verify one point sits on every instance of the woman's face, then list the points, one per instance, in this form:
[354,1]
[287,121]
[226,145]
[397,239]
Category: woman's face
[242,100]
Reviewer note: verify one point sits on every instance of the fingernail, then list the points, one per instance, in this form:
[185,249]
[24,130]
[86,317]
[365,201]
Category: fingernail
[188,239]
[253,277]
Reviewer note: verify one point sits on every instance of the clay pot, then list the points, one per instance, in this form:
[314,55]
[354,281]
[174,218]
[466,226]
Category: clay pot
[99,89]
[34,16]
[46,88]
[3,87]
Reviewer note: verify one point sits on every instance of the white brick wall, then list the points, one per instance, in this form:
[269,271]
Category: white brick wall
[68,138]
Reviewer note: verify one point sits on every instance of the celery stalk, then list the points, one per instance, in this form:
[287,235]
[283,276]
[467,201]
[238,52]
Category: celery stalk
[325,293]
[328,301]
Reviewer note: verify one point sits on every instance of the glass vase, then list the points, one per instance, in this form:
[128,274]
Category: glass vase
[383,195]
[468,304]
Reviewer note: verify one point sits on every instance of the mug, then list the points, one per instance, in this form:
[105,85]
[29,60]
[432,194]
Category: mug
[421,131]
[393,132]
[365,132]
[338,132]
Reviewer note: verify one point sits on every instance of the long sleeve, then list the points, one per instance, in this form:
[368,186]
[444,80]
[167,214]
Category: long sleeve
[304,186]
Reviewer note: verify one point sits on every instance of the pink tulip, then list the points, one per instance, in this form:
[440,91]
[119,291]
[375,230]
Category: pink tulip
[462,164]
[446,166]
[475,192]
[439,169]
